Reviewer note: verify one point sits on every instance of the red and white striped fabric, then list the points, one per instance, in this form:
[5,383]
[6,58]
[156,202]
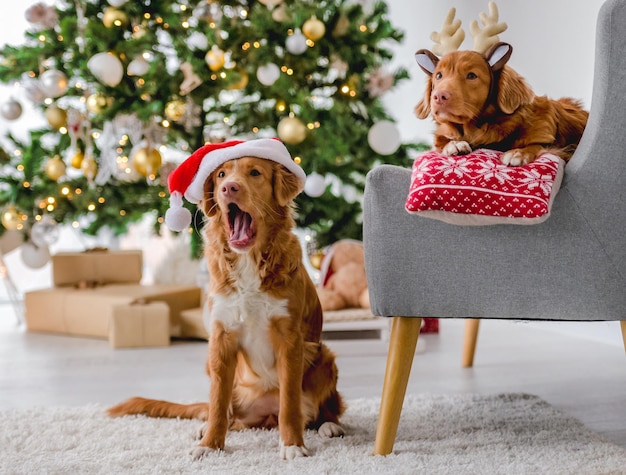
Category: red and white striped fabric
[477,189]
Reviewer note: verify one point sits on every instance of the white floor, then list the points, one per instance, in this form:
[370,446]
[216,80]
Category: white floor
[584,378]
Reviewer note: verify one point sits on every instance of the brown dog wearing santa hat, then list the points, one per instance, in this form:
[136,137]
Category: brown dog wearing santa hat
[267,365]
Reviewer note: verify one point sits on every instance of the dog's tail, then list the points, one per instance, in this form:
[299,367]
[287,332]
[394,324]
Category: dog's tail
[156,408]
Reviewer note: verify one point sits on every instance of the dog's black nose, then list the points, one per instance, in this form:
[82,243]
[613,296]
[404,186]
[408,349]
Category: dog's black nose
[230,188]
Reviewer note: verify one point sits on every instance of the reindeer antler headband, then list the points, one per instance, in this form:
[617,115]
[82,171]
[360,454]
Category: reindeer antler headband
[452,35]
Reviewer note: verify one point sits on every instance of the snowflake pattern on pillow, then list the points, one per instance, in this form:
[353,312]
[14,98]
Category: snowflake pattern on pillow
[477,189]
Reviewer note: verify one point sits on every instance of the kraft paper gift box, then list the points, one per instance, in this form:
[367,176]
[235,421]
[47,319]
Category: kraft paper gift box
[192,324]
[100,267]
[87,312]
[139,325]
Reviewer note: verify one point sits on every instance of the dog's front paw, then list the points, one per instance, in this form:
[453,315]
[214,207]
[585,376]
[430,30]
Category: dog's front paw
[290,452]
[516,158]
[456,147]
[200,451]
[200,431]
[330,429]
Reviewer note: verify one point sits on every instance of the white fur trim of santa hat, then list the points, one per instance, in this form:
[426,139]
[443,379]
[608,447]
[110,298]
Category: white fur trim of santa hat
[188,178]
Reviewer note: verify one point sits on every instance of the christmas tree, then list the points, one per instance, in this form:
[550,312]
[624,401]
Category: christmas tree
[129,88]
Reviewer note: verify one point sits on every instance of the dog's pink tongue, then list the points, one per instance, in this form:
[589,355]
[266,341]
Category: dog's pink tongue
[242,232]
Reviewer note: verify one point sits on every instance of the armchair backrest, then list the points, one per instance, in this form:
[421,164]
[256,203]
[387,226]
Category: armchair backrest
[595,177]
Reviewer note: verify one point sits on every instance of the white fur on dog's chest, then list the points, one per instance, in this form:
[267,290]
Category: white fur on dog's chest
[249,310]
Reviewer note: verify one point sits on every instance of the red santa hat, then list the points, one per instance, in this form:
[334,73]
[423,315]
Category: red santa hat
[188,178]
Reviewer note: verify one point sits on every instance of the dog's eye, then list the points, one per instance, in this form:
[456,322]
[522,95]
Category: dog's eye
[471,76]
[255,172]
[438,76]
[221,174]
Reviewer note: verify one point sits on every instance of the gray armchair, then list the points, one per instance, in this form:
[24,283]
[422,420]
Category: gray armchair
[572,267]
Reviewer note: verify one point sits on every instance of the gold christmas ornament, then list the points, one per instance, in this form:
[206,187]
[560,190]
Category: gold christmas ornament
[215,59]
[56,117]
[313,28]
[147,161]
[77,160]
[175,110]
[11,219]
[242,81]
[291,130]
[55,168]
[89,168]
[96,103]
[114,17]
[316,259]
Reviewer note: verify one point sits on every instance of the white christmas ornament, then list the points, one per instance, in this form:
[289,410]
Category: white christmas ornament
[53,83]
[138,67]
[271,3]
[34,256]
[315,185]
[107,68]
[45,232]
[296,43]
[268,74]
[11,109]
[198,41]
[384,137]
[116,3]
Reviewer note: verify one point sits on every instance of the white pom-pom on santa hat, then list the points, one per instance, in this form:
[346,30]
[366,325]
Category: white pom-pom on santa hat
[177,217]
[188,178]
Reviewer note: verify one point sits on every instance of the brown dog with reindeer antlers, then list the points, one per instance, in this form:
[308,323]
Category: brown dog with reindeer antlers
[479,102]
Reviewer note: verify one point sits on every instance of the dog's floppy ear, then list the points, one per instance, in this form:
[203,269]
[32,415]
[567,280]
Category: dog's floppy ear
[422,109]
[286,185]
[209,205]
[513,91]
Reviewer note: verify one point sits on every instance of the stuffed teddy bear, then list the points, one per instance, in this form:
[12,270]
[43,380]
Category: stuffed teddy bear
[343,282]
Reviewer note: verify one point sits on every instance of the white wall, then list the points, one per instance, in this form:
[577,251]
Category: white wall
[553,48]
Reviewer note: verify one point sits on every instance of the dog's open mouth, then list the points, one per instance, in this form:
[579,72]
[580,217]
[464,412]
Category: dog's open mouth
[241,227]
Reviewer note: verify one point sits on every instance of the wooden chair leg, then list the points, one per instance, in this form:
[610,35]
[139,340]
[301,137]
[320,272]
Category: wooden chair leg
[623,324]
[469,342]
[402,343]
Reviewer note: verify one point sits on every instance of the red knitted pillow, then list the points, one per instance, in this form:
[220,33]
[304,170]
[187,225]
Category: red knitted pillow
[477,189]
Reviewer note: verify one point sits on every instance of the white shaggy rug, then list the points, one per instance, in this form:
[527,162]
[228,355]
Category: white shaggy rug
[501,434]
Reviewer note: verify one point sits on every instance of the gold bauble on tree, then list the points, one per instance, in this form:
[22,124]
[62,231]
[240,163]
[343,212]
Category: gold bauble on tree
[241,81]
[11,219]
[77,160]
[114,17]
[96,103]
[291,130]
[56,117]
[175,110]
[313,28]
[89,167]
[215,59]
[54,168]
[147,161]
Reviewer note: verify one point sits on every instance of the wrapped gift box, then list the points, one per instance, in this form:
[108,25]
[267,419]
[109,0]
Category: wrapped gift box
[192,324]
[97,267]
[140,325]
[88,311]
